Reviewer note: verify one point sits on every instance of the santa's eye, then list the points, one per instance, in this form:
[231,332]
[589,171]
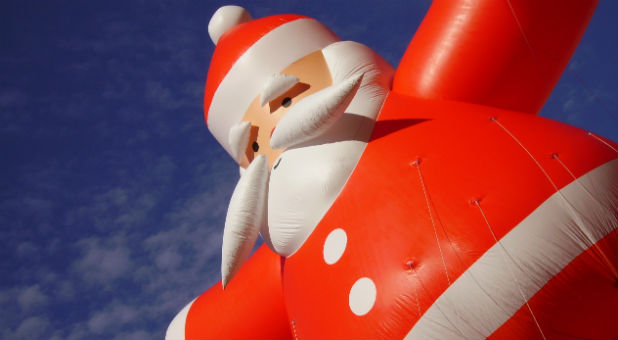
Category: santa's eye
[286,102]
[255,146]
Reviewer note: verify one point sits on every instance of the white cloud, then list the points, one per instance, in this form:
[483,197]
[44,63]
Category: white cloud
[77,331]
[102,264]
[124,206]
[568,105]
[165,167]
[34,327]
[65,290]
[139,335]
[31,298]
[26,249]
[113,317]
[168,259]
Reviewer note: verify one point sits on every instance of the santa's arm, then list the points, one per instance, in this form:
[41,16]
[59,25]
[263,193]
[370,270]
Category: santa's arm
[250,307]
[508,53]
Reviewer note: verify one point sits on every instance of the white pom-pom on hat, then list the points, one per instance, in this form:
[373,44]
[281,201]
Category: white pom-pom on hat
[225,18]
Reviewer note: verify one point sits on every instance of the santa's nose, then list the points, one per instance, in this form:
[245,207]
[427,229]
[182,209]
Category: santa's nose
[176,329]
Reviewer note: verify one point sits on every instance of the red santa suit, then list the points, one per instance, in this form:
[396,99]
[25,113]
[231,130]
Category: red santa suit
[474,226]
[467,216]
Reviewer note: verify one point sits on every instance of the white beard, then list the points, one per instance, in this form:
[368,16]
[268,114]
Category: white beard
[302,188]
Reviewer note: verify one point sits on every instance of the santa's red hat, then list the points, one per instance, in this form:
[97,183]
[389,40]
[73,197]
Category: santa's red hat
[248,52]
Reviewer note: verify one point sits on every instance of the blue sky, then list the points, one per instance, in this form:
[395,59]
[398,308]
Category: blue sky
[113,191]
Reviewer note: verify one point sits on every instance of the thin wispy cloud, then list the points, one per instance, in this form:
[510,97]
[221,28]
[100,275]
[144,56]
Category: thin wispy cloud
[34,327]
[31,297]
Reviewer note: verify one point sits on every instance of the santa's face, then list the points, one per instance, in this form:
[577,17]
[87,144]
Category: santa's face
[312,75]
[299,141]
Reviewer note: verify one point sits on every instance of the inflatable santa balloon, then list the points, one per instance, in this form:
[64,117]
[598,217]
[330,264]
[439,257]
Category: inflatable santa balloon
[427,202]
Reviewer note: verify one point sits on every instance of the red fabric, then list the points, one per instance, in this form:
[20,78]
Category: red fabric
[467,51]
[474,51]
[233,44]
[464,156]
[587,286]
[250,307]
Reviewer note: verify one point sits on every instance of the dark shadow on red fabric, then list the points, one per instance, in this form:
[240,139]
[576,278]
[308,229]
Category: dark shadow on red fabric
[386,127]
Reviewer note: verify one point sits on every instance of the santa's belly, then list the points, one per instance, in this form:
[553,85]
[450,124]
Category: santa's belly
[464,221]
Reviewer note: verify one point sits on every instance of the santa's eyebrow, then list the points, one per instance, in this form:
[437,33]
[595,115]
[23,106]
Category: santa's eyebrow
[238,139]
[276,85]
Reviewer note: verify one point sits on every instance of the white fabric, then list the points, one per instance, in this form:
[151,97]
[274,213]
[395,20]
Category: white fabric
[225,18]
[176,329]
[311,175]
[362,296]
[239,139]
[277,85]
[303,187]
[271,54]
[244,218]
[346,59]
[334,246]
[561,228]
[315,114]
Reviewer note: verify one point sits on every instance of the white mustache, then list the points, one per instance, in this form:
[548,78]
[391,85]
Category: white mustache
[245,216]
[315,114]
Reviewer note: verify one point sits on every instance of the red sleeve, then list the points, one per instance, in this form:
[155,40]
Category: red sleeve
[250,307]
[506,54]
